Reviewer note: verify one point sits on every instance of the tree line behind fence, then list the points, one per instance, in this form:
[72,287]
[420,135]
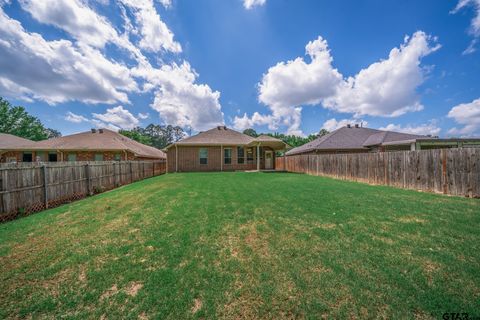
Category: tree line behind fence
[28,188]
[447,171]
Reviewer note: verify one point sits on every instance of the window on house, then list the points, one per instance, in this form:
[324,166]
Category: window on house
[98,156]
[240,155]
[72,157]
[203,152]
[27,157]
[52,156]
[118,157]
[227,156]
[249,155]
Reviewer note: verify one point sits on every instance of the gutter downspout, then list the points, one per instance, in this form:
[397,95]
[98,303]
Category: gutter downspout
[221,157]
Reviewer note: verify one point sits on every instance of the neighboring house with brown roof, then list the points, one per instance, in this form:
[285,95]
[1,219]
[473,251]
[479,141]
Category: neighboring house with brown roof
[94,145]
[223,149]
[352,139]
[9,146]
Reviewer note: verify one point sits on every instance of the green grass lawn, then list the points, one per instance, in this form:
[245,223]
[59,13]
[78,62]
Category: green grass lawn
[244,245]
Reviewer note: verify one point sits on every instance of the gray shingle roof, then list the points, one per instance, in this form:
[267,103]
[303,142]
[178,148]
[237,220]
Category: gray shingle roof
[352,138]
[216,136]
[9,141]
[107,140]
[225,136]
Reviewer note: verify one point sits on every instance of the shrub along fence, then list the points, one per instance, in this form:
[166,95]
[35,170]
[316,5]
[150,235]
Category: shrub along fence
[447,171]
[27,188]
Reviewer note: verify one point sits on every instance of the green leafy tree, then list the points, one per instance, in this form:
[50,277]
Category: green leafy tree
[250,132]
[137,135]
[52,133]
[323,132]
[154,135]
[16,120]
[292,140]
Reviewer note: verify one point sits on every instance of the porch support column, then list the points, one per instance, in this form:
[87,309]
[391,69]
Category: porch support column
[221,157]
[258,157]
[176,158]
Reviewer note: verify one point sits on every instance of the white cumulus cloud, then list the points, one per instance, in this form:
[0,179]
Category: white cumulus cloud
[245,122]
[385,88]
[75,17]
[334,124]
[249,4]
[388,87]
[430,128]
[467,115]
[114,118]
[155,33]
[143,116]
[57,71]
[118,117]
[75,118]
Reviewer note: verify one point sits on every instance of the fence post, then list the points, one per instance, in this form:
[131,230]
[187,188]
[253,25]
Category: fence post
[45,185]
[87,174]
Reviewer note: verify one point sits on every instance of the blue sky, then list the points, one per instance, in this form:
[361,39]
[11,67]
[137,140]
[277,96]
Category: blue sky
[274,65]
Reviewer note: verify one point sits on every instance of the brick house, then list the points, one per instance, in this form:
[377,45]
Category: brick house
[10,146]
[223,149]
[356,139]
[94,145]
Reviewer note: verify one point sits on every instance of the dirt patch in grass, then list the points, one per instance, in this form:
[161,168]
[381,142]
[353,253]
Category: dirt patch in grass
[326,226]
[197,305]
[430,268]
[109,293]
[133,288]
[411,219]
[245,240]
[52,286]
[422,315]
[383,239]
[255,240]
[82,275]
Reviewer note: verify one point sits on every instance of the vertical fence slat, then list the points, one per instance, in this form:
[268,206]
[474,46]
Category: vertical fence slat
[45,185]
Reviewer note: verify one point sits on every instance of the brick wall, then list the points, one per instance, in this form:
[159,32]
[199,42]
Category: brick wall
[189,160]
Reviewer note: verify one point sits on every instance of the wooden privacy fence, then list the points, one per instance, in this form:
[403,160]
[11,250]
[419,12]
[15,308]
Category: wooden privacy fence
[28,188]
[447,171]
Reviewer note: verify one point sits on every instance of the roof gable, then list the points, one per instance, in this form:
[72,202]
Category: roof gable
[352,138]
[220,135]
[102,139]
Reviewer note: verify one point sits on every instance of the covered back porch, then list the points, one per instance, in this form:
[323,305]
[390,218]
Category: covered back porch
[266,148]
